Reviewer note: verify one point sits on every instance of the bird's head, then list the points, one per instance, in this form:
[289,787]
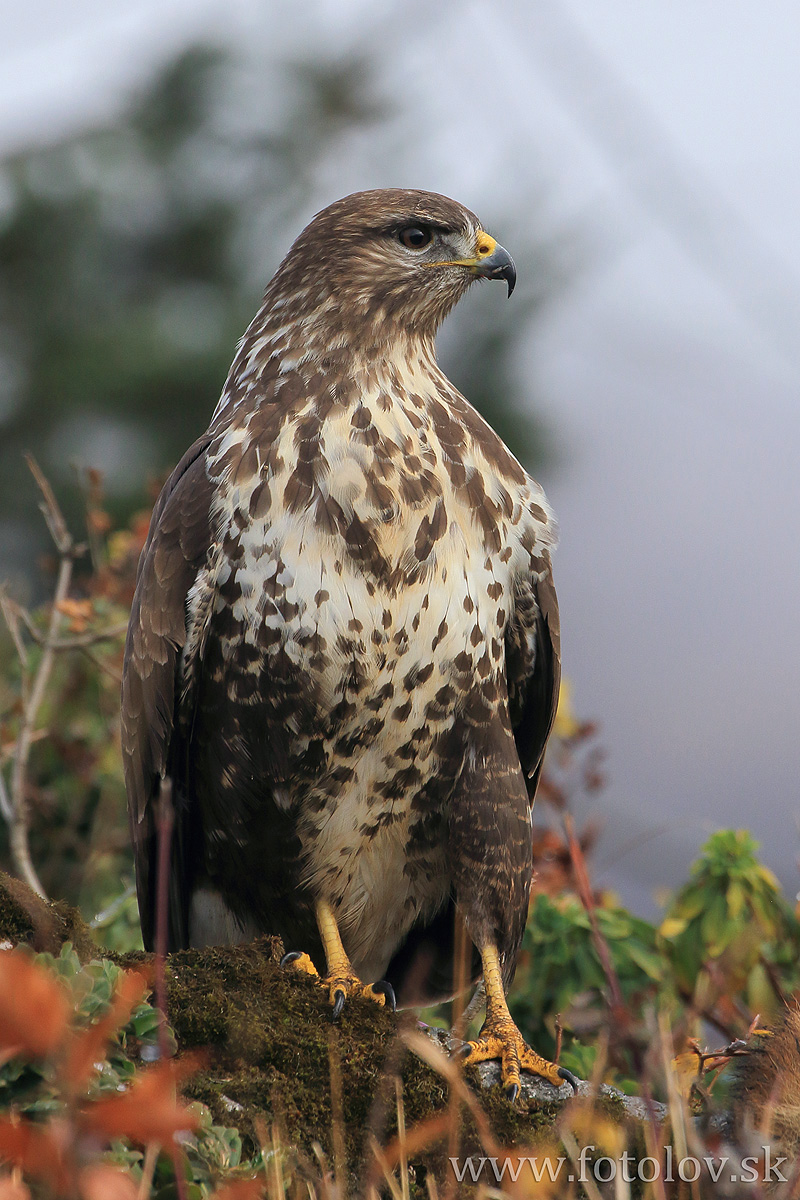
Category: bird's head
[385,263]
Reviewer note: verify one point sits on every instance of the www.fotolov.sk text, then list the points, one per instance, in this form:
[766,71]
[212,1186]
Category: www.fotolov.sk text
[752,1169]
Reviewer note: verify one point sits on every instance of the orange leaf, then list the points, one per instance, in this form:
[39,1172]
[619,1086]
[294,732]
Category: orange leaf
[34,1007]
[86,1047]
[420,1136]
[39,1150]
[13,1189]
[79,613]
[239,1189]
[98,520]
[101,1181]
[687,1071]
[148,1112]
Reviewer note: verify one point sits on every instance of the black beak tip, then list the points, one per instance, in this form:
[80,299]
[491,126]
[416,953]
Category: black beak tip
[505,269]
[499,265]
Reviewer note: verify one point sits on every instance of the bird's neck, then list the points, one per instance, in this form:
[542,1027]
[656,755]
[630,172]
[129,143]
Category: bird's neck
[282,345]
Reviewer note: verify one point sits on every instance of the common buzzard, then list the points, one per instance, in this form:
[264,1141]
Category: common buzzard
[343,650]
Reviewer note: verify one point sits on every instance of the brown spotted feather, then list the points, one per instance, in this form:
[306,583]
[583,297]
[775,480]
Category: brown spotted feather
[344,643]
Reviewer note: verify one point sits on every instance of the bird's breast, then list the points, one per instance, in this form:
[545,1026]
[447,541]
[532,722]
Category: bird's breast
[374,576]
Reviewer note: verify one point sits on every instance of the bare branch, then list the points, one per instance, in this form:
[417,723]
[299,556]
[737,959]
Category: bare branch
[6,807]
[78,641]
[82,640]
[105,668]
[14,801]
[19,824]
[14,613]
[50,508]
[11,615]
[9,750]
[587,900]
[20,848]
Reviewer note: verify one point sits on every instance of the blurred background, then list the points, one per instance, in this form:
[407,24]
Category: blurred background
[640,162]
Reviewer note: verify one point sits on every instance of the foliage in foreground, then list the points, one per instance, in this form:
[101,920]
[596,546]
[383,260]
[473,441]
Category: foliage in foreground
[79,1111]
[84,1111]
[726,953]
[614,995]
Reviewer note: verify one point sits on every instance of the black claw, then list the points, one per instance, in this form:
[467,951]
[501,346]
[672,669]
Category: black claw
[465,1050]
[339,998]
[384,988]
[569,1078]
[291,957]
[512,1091]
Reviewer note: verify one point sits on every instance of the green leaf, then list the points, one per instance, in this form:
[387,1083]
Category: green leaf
[737,899]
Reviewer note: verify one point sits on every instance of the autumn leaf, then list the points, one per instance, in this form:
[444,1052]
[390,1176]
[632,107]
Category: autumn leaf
[147,1112]
[101,1181]
[687,1069]
[672,927]
[34,1007]
[239,1189]
[418,1137]
[78,612]
[98,520]
[38,1150]
[13,1189]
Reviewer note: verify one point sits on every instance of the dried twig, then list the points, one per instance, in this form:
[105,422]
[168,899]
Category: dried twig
[475,1005]
[11,615]
[6,807]
[618,1008]
[587,899]
[165,824]
[103,667]
[15,802]
[337,1115]
[14,792]
[714,1062]
[79,641]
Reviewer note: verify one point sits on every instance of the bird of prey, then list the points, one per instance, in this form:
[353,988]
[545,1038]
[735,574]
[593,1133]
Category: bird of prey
[343,652]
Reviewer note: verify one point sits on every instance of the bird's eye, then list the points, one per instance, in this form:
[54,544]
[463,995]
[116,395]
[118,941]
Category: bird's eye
[415,237]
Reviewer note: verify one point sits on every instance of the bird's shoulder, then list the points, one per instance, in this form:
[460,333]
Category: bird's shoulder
[176,547]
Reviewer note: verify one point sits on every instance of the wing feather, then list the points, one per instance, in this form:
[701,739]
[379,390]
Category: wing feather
[176,549]
[533,671]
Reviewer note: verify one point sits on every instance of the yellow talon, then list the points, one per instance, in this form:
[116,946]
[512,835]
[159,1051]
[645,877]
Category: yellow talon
[500,1038]
[300,962]
[341,981]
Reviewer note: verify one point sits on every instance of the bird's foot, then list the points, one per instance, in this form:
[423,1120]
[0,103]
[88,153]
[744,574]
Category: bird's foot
[300,962]
[501,1039]
[342,983]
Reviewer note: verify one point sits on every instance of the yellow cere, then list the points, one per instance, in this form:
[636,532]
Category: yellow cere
[485,244]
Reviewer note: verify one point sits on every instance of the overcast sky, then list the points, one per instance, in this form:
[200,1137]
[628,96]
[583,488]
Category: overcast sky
[670,370]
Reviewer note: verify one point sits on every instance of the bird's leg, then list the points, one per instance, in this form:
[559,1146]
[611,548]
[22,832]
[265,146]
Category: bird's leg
[500,1038]
[341,980]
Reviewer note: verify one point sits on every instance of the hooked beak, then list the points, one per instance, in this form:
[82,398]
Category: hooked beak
[492,261]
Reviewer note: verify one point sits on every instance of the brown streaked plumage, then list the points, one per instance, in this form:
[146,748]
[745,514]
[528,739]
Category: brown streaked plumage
[343,648]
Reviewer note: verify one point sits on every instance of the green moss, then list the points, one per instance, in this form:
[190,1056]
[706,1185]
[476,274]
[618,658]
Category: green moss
[16,923]
[612,1105]
[265,1050]
[27,919]
[516,1124]
[269,1050]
